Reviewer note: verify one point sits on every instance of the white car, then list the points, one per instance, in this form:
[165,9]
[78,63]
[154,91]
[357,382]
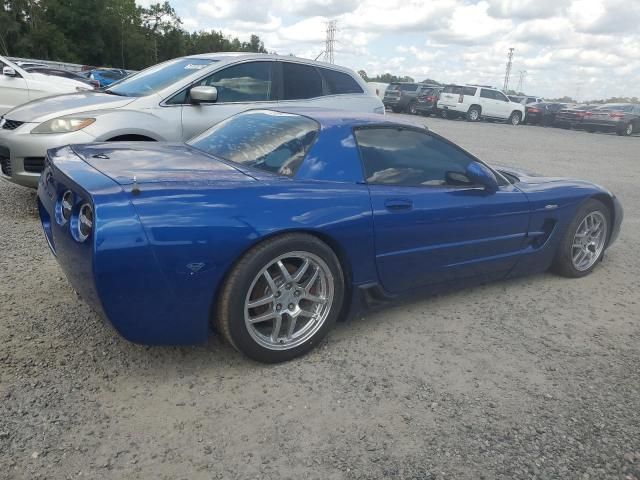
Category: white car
[478,101]
[378,88]
[174,101]
[17,86]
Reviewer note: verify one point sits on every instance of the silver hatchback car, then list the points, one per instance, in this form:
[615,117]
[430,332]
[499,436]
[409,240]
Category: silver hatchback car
[173,101]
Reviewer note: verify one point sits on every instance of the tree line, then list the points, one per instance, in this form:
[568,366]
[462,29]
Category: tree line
[115,33]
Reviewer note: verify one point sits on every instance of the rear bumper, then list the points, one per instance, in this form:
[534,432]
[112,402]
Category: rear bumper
[115,270]
[602,125]
[426,107]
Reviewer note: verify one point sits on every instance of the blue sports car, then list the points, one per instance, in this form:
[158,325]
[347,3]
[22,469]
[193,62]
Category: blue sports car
[274,224]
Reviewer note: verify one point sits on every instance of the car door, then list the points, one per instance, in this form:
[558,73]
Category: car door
[14,90]
[431,224]
[503,104]
[241,86]
[489,103]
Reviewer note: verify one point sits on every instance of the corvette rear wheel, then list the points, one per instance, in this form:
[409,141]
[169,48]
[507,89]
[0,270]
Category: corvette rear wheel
[584,241]
[281,298]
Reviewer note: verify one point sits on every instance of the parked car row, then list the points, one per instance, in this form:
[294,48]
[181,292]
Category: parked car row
[477,102]
[19,85]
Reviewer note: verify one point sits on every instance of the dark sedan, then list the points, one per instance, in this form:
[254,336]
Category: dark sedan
[572,117]
[543,113]
[622,118]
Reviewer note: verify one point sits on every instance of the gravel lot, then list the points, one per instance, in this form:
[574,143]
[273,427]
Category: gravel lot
[537,378]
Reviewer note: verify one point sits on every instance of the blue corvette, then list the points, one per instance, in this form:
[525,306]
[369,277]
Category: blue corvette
[273,224]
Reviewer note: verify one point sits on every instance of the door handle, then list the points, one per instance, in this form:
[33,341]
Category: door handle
[398,204]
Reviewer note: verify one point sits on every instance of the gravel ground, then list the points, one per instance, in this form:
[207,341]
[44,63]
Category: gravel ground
[537,378]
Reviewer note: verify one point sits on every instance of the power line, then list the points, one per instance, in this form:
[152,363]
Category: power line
[330,41]
[507,73]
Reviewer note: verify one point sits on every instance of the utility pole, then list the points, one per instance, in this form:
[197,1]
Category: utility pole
[330,41]
[523,75]
[507,73]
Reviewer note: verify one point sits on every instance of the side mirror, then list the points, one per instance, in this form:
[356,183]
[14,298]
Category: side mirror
[482,175]
[9,72]
[203,95]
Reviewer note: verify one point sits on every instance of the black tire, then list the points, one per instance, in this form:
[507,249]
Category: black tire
[444,114]
[515,118]
[562,262]
[411,108]
[473,114]
[590,130]
[626,130]
[230,312]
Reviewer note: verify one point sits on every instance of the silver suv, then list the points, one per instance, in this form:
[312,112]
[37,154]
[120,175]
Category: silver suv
[173,101]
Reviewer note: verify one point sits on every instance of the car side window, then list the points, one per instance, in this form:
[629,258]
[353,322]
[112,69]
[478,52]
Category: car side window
[471,91]
[339,82]
[300,81]
[245,82]
[500,96]
[406,157]
[484,93]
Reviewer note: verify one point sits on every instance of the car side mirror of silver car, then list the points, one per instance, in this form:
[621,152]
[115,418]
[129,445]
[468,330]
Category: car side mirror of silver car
[203,95]
[9,72]
[482,175]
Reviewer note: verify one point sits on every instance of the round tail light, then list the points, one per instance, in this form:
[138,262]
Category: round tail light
[85,222]
[66,205]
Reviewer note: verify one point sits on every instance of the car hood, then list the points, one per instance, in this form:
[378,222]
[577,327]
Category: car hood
[45,109]
[149,162]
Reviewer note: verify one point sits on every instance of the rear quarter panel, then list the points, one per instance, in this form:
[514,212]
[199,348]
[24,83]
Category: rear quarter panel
[197,232]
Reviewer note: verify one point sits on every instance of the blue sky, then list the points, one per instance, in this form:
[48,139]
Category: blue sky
[584,48]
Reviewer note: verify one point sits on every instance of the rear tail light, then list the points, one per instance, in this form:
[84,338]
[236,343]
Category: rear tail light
[533,110]
[85,222]
[461,98]
[66,206]
[616,114]
[584,114]
[430,98]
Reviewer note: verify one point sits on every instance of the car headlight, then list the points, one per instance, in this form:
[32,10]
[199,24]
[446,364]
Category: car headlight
[63,125]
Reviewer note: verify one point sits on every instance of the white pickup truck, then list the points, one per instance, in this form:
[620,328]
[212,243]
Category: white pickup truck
[17,86]
[478,101]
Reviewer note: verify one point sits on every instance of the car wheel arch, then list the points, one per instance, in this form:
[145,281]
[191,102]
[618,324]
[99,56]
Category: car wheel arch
[608,202]
[331,242]
[131,137]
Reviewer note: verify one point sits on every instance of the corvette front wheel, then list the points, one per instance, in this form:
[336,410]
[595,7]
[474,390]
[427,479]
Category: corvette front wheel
[281,298]
[584,241]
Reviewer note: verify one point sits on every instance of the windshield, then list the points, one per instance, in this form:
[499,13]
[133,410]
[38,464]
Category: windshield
[271,141]
[158,77]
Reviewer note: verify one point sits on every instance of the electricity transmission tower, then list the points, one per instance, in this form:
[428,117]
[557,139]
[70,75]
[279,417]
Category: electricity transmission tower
[507,73]
[330,41]
[523,76]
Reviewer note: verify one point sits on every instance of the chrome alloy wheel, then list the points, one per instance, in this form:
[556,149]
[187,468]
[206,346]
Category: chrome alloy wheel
[629,129]
[474,115]
[289,300]
[589,240]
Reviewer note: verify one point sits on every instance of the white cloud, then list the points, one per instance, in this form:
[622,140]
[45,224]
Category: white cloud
[562,44]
